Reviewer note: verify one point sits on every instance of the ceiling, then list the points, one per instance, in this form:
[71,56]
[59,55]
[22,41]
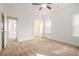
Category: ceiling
[34,8]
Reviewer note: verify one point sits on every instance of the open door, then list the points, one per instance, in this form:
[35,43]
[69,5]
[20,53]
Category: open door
[1,30]
[4,32]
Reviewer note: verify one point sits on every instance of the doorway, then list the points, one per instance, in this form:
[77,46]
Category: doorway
[37,28]
[12,28]
[5,29]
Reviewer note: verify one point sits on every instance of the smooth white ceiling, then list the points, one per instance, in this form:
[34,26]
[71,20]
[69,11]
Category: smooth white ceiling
[34,8]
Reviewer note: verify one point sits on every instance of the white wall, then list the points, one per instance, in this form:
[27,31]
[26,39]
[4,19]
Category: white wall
[25,22]
[25,19]
[62,25]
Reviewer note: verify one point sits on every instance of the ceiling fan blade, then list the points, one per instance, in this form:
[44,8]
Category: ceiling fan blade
[48,7]
[49,3]
[36,3]
[40,8]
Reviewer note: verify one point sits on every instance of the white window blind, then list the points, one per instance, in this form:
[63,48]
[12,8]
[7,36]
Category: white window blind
[48,26]
[76,25]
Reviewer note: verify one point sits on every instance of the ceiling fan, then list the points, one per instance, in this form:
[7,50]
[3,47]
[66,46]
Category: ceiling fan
[43,5]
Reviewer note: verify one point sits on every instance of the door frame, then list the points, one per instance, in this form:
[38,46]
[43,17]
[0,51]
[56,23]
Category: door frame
[3,30]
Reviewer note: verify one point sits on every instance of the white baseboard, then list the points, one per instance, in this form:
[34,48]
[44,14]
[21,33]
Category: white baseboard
[56,39]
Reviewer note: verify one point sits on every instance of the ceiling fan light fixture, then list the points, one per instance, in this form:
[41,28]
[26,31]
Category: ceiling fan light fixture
[44,5]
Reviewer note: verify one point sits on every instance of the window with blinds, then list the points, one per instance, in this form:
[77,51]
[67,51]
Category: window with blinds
[48,26]
[76,25]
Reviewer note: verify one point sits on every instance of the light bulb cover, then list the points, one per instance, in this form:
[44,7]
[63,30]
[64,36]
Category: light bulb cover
[44,5]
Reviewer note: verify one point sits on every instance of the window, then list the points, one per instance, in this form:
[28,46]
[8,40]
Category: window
[47,26]
[76,25]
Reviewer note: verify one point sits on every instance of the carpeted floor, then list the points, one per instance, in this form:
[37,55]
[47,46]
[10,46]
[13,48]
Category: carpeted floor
[39,47]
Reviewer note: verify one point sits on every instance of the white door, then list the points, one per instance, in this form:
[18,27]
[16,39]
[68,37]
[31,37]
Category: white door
[5,30]
[1,30]
[4,39]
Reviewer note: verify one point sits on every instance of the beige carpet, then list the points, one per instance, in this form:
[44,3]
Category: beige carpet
[39,47]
